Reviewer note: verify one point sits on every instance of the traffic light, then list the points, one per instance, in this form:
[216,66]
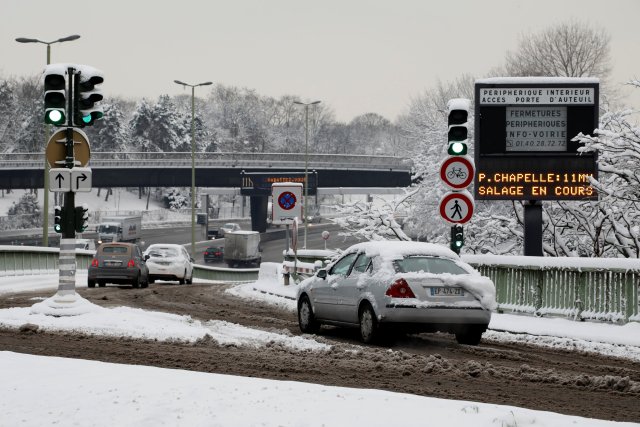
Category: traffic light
[81,218]
[55,96]
[57,219]
[85,96]
[458,126]
[457,238]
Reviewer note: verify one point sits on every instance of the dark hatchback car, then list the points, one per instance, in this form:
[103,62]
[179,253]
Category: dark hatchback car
[214,254]
[119,263]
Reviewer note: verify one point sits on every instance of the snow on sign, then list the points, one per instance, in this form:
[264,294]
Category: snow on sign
[457,207]
[287,202]
[457,172]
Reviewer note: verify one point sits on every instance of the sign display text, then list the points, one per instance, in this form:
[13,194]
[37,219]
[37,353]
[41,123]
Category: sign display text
[259,183]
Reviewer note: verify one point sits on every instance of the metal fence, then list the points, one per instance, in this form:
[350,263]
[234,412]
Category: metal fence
[583,288]
[232,159]
[25,260]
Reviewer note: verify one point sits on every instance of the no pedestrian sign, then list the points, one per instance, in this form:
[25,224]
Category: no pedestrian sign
[457,208]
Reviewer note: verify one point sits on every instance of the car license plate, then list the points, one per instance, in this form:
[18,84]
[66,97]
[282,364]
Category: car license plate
[112,263]
[446,292]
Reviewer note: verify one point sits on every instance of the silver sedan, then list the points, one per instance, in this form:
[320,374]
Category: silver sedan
[407,286]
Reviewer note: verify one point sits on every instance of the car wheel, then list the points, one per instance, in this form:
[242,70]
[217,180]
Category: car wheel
[151,280]
[145,284]
[471,335]
[136,282]
[184,278]
[369,328]
[306,319]
[190,281]
[91,283]
[102,284]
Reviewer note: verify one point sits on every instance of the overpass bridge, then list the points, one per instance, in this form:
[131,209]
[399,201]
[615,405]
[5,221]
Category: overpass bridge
[218,170]
[115,169]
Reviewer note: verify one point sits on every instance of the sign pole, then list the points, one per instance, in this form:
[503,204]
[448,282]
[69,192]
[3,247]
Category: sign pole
[533,228]
[67,259]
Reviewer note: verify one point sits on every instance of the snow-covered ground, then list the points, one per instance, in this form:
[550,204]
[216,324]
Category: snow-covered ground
[85,393]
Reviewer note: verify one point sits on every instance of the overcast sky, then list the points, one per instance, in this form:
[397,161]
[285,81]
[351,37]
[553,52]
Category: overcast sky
[356,56]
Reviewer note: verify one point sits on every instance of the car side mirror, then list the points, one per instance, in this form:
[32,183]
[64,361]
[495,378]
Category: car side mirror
[322,273]
[146,257]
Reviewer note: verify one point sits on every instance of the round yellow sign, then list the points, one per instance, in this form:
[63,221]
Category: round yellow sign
[57,151]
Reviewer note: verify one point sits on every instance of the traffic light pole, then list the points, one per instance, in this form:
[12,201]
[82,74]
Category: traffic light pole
[67,259]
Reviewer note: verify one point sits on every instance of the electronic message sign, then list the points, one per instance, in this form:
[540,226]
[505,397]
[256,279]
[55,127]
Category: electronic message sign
[259,183]
[524,138]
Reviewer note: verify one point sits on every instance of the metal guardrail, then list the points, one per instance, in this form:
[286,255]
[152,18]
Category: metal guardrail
[584,288]
[236,160]
[226,275]
[29,260]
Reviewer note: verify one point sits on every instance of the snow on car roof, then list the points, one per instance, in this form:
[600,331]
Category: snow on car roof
[393,249]
[164,245]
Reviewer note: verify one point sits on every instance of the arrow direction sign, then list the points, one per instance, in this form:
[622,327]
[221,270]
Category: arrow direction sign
[80,179]
[60,179]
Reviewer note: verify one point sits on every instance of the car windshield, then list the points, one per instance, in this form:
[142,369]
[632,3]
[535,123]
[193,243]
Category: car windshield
[428,265]
[163,252]
[109,229]
[229,226]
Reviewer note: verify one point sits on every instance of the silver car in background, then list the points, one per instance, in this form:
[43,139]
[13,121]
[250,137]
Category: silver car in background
[169,262]
[384,286]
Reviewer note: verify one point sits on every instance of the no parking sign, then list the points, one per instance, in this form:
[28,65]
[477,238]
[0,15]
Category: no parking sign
[287,202]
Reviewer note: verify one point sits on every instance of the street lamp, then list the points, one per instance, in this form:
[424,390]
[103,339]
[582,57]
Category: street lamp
[193,161]
[306,165]
[45,222]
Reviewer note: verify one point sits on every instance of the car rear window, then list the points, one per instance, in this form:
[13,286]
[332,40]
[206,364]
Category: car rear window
[115,249]
[428,265]
[163,252]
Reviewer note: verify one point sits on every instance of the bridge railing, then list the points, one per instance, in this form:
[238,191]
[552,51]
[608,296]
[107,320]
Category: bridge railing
[601,289]
[28,260]
[581,288]
[31,260]
[203,159]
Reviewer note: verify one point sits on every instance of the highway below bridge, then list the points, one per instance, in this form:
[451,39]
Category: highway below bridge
[247,171]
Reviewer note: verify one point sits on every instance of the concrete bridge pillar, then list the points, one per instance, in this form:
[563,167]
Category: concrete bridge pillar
[258,207]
